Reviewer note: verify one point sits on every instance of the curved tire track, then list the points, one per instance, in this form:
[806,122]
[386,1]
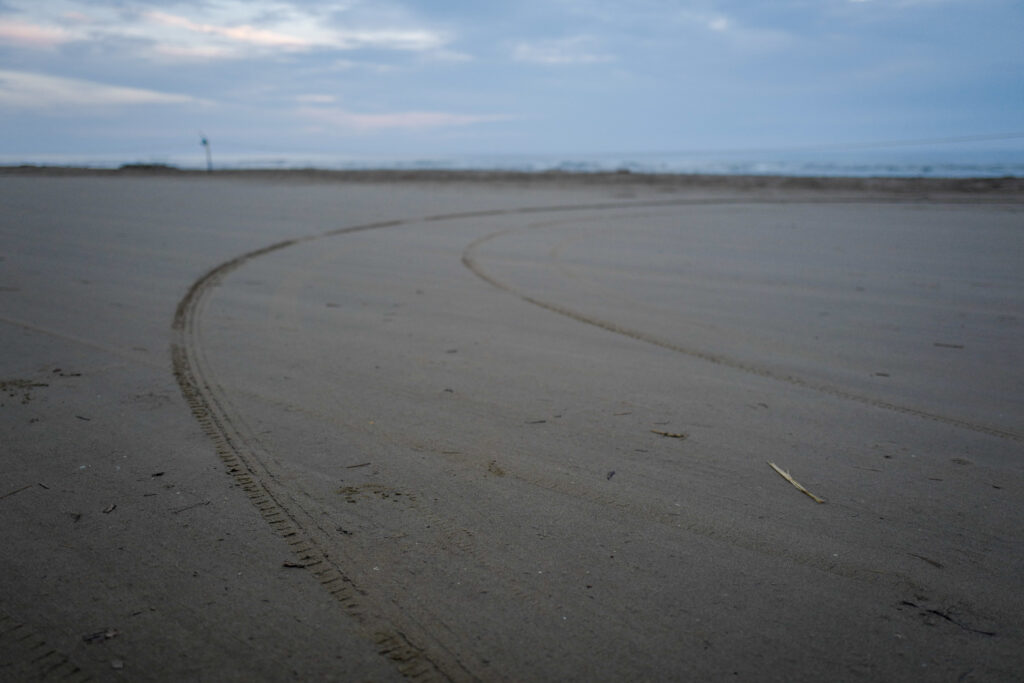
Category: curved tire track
[472,263]
[24,655]
[415,653]
[255,472]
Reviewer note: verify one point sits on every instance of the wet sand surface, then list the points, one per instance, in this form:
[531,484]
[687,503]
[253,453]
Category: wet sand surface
[299,427]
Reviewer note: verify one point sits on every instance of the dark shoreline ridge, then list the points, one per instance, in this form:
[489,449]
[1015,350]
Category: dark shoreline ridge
[1007,184]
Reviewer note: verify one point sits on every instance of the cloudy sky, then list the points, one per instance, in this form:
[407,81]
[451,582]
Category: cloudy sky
[140,78]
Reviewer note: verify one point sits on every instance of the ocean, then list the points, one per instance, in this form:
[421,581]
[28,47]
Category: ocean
[939,162]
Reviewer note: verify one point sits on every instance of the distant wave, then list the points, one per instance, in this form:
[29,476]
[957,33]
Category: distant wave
[863,166]
[860,169]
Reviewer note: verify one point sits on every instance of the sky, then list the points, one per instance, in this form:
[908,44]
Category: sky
[140,79]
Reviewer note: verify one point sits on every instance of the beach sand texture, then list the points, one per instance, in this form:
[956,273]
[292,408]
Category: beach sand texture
[273,426]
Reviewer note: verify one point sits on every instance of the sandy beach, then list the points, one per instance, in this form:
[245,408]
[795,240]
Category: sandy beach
[510,427]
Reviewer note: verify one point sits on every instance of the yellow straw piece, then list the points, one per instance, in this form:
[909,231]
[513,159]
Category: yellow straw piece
[794,482]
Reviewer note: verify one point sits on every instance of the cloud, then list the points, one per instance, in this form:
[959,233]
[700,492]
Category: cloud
[390,39]
[201,52]
[352,65]
[738,34]
[24,90]
[303,34]
[719,24]
[243,33]
[573,50]
[449,56]
[216,29]
[31,34]
[409,120]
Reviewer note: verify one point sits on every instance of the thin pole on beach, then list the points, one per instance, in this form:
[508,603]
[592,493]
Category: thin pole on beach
[205,142]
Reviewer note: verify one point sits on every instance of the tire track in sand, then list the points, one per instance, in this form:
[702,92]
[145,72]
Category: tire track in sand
[415,653]
[470,261]
[255,472]
[26,656]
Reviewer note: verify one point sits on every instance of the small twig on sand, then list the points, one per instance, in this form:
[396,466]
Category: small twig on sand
[16,491]
[670,435]
[189,507]
[794,482]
